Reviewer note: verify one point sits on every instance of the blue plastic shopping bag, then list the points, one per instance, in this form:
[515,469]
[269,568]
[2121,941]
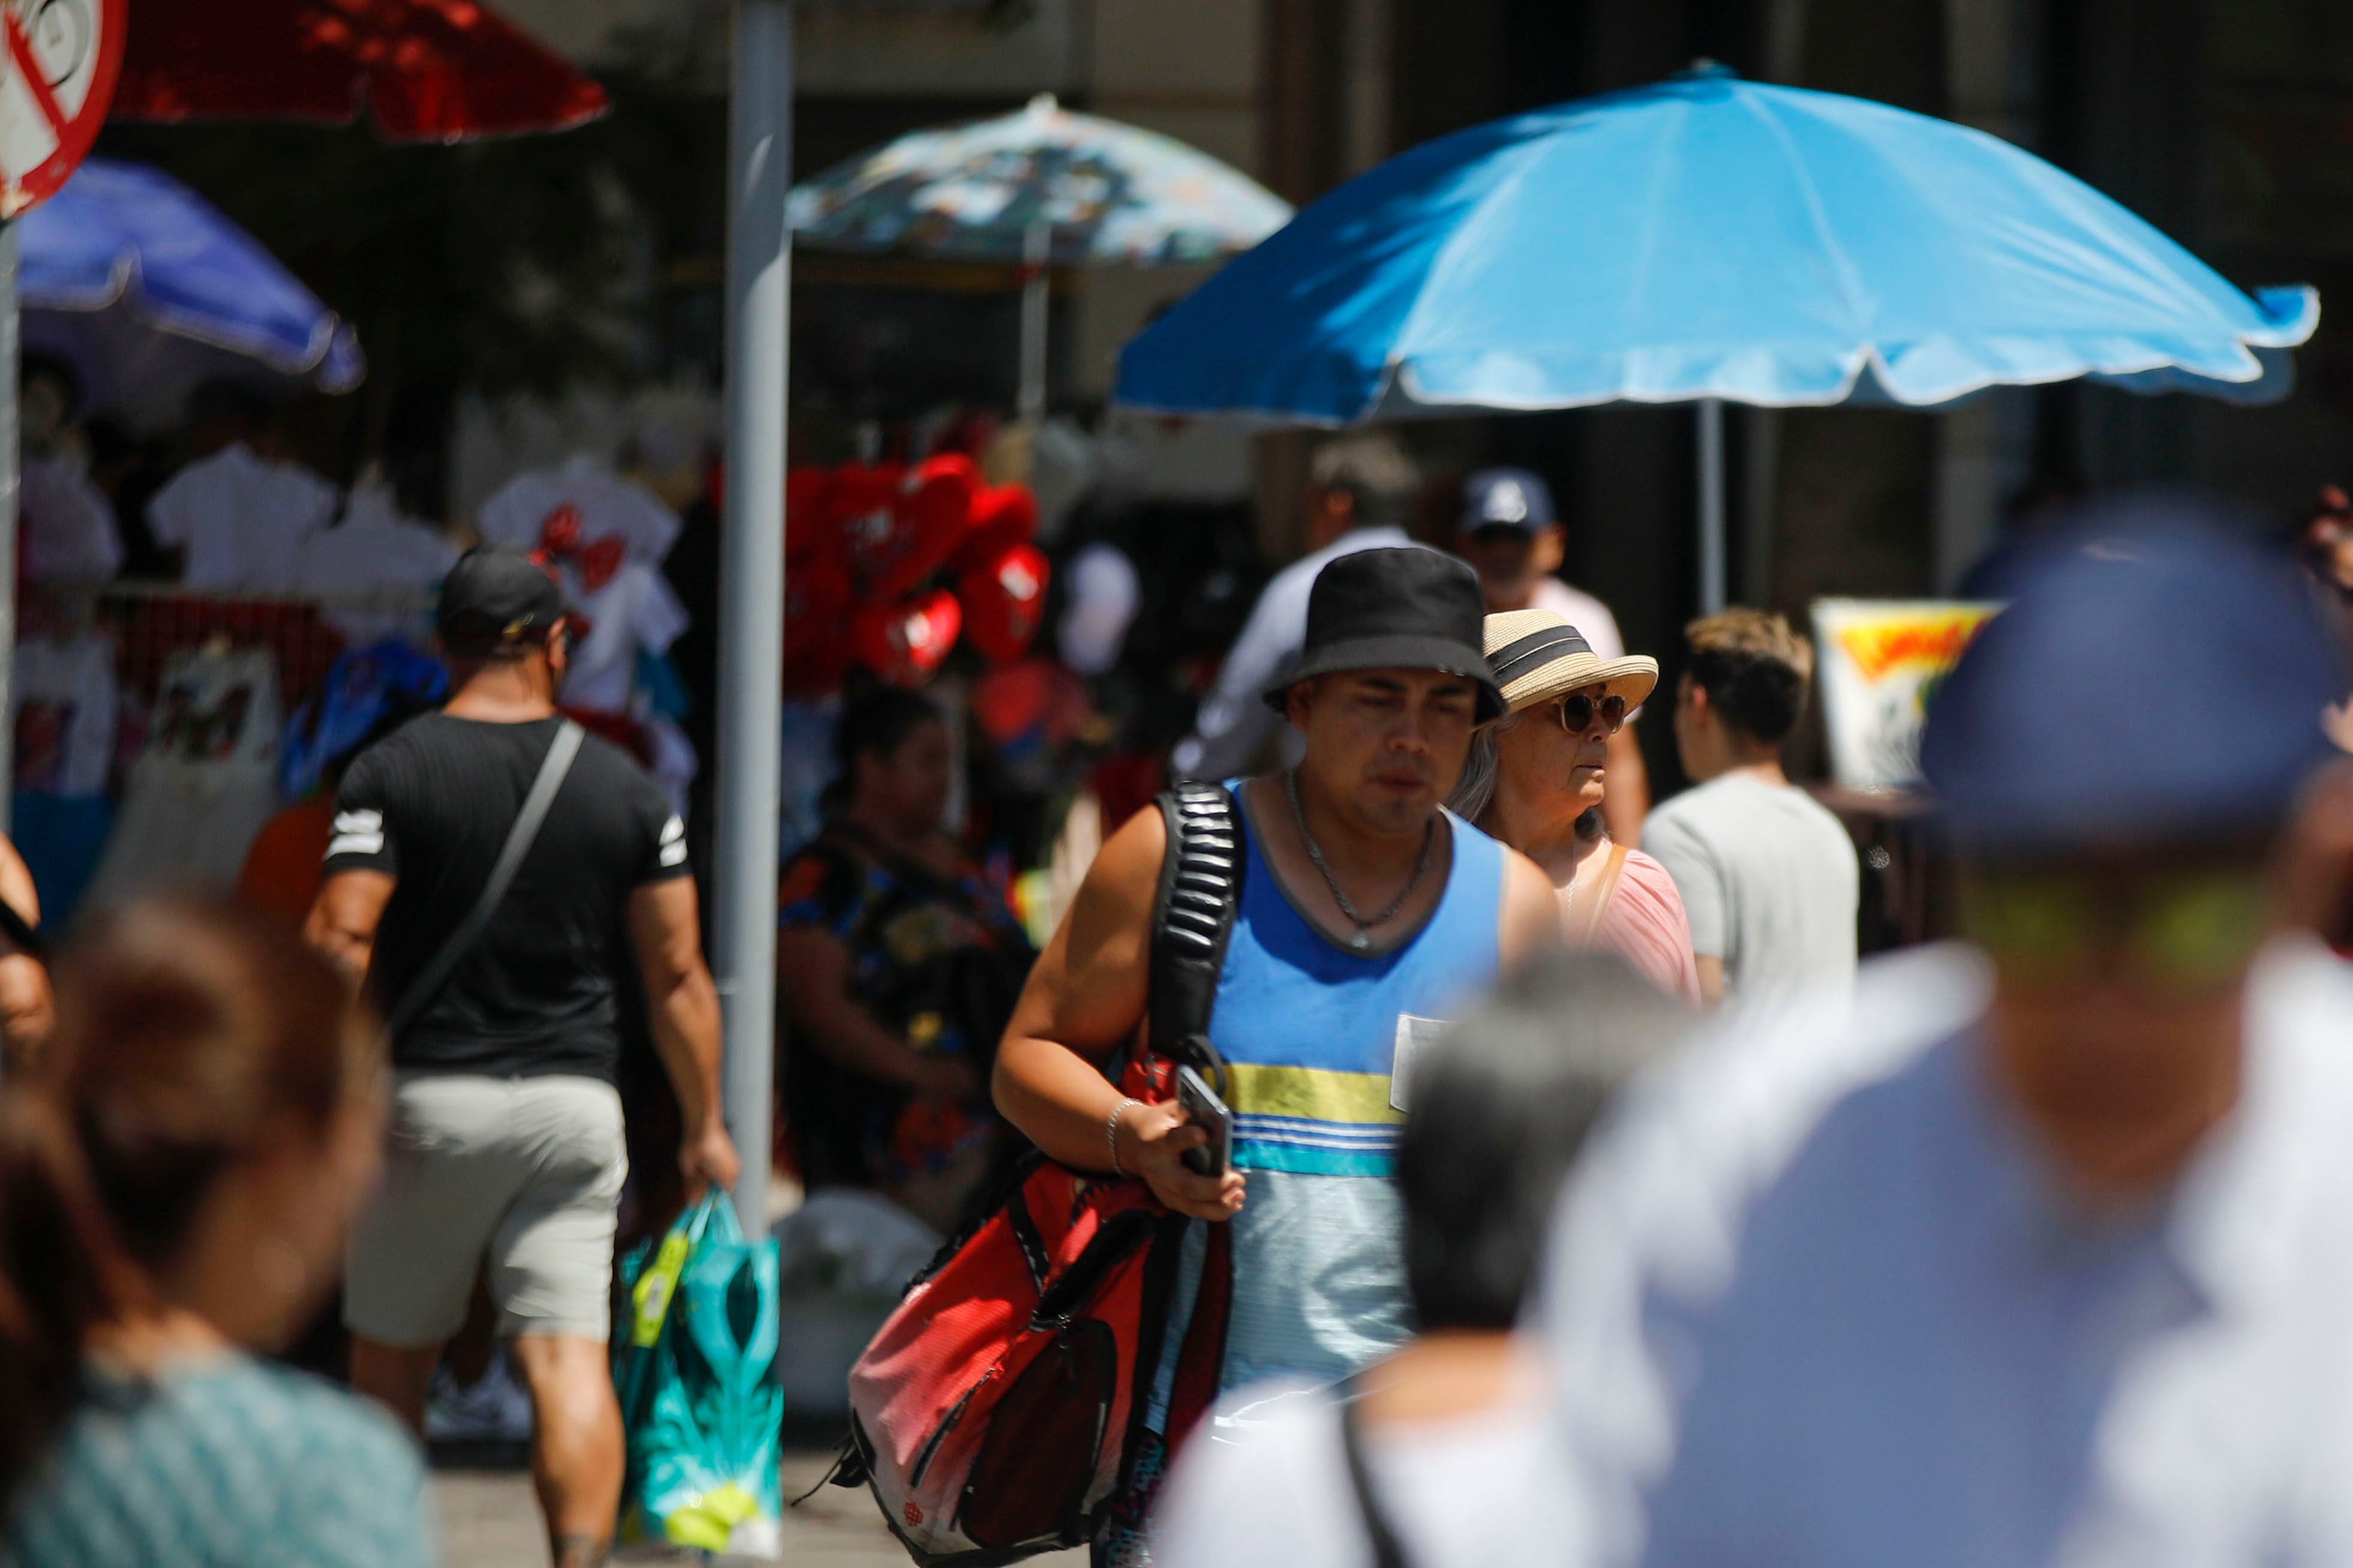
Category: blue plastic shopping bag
[694,1360]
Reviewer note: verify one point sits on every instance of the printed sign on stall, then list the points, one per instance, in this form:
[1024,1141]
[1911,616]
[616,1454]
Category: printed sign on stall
[1881,661]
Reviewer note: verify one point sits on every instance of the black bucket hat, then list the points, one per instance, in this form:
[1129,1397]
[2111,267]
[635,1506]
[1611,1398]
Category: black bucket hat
[1395,609]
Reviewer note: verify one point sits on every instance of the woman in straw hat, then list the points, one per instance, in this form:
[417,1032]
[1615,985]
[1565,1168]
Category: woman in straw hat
[1535,780]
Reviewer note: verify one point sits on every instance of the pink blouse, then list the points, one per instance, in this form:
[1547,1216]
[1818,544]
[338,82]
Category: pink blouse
[1644,924]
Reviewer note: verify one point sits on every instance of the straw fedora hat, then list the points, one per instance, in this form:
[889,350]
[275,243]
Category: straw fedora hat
[1537,656]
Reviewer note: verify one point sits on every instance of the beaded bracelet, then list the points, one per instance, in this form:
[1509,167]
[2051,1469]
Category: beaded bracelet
[1111,1133]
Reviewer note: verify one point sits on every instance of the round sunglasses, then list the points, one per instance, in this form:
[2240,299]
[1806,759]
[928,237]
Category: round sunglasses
[1576,713]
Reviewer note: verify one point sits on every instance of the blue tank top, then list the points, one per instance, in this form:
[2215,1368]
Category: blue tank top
[1310,1032]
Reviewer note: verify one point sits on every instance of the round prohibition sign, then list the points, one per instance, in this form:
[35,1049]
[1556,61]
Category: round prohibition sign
[58,61]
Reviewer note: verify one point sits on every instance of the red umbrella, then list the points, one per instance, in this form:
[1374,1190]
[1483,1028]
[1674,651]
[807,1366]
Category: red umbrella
[428,70]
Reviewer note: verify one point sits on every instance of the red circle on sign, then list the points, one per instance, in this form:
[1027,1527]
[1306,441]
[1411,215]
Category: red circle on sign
[90,34]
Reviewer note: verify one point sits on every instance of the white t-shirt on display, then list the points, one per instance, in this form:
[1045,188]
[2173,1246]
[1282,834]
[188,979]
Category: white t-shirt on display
[373,550]
[1472,1491]
[70,528]
[636,610]
[608,504]
[1769,881]
[62,701]
[241,518]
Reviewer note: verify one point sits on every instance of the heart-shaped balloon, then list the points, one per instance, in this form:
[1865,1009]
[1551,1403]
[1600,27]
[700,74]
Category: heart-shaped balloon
[820,603]
[904,642]
[1003,516]
[933,512]
[1004,601]
[811,525]
[863,504]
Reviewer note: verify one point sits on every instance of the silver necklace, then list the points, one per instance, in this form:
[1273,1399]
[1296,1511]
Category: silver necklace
[1363,941]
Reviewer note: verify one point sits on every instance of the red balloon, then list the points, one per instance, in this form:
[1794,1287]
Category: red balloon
[1004,601]
[811,526]
[904,643]
[820,603]
[1003,516]
[933,511]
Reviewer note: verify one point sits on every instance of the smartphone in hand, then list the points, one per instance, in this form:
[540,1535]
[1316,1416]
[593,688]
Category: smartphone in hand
[1200,1104]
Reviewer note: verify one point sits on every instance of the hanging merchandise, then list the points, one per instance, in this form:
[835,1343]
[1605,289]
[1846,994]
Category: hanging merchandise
[207,780]
[241,518]
[362,685]
[376,552]
[929,518]
[1004,598]
[820,600]
[905,643]
[62,701]
[606,505]
[630,610]
[694,1355]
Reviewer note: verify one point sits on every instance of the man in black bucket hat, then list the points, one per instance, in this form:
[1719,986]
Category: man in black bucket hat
[1367,913]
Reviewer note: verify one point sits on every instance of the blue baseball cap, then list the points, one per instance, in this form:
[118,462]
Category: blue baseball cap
[2157,676]
[1516,498]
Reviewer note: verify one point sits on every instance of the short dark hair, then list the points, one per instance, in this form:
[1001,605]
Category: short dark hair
[1754,667]
[877,724]
[1501,1106]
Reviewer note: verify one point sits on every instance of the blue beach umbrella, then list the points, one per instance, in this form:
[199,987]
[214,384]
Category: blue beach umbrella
[147,290]
[1042,187]
[1705,239]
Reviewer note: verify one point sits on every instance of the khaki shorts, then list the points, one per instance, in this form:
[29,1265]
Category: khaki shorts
[520,1178]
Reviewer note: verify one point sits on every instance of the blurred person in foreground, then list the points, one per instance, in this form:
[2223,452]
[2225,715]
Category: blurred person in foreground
[176,1178]
[1514,541]
[1769,876]
[1540,779]
[897,967]
[507,1151]
[1358,486]
[1367,913]
[2038,1250]
[1446,1441]
[27,1009]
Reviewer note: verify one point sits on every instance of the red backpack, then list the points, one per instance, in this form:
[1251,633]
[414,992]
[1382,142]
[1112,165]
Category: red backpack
[999,1411]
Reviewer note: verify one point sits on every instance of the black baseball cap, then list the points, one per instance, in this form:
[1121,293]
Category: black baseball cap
[1507,497]
[1395,609]
[496,596]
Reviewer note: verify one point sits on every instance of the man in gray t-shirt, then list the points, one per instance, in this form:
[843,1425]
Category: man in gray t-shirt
[1768,877]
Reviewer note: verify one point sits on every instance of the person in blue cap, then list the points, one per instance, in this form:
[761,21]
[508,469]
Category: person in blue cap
[2042,1250]
[1514,541]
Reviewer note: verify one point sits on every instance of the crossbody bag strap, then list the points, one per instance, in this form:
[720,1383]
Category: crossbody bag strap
[1590,903]
[1192,919]
[1387,1551]
[436,973]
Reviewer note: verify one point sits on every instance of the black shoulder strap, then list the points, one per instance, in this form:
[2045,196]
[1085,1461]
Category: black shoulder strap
[429,980]
[1193,914]
[1388,1552]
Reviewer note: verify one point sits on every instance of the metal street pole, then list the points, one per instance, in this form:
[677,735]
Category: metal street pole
[9,414]
[752,582]
[1711,505]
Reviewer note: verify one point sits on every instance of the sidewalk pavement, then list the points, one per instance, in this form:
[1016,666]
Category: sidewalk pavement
[489,1520]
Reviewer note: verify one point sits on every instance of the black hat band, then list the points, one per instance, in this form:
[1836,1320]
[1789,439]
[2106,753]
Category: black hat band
[1538,648]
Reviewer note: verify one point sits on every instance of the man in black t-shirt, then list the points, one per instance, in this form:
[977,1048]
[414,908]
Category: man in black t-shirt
[505,1150]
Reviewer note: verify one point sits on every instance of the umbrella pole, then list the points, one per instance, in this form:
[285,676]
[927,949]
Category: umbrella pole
[1037,250]
[1711,505]
[751,584]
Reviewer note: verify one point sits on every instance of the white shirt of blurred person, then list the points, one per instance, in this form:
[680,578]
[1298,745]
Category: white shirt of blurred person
[1358,487]
[1539,778]
[239,513]
[2037,1250]
[69,529]
[1453,1428]
[1768,876]
[505,1107]
[1514,541]
[1333,973]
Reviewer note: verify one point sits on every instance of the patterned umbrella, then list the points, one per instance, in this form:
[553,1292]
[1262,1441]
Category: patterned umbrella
[1042,187]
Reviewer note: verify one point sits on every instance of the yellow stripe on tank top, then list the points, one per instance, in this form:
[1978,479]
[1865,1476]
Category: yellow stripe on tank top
[1313,1094]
